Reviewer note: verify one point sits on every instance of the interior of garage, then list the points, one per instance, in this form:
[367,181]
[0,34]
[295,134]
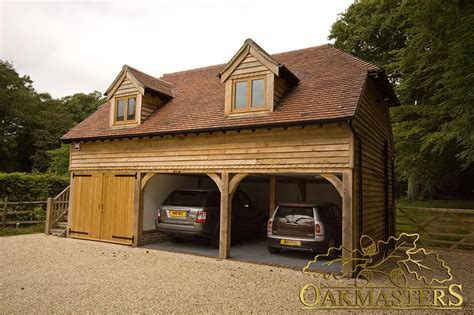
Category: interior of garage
[289,188]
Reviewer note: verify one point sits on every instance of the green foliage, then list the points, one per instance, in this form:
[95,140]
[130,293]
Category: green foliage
[81,105]
[59,160]
[18,104]
[426,48]
[31,124]
[31,186]
[22,229]
[371,30]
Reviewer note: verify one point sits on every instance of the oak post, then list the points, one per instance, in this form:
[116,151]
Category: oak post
[49,215]
[225,220]
[138,210]
[71,196]
[302,189]
[272,194]
[348,222]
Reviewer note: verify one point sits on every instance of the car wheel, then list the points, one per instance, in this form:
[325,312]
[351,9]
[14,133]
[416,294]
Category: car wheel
[274,250]
[176,239]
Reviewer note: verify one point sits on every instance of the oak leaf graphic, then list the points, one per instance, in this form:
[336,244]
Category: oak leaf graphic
[397,258]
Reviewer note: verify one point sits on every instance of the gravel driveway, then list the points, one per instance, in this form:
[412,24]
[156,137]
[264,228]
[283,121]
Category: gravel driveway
[48,275]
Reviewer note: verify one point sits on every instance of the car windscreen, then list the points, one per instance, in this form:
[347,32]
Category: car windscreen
[186,198]
[294,213]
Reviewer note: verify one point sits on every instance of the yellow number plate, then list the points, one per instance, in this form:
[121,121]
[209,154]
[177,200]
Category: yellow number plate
[290,242]
[177,213]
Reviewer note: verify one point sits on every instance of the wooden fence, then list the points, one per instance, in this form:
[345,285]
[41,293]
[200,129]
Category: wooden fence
[438,227]
[57,211]
[22,212]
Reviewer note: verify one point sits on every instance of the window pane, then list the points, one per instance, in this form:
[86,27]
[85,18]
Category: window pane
[240,95]
[258,90]
[120,110]
[131,109]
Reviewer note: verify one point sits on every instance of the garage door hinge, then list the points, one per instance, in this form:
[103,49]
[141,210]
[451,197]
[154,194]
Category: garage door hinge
[81,175]
[124,238]
[78,232]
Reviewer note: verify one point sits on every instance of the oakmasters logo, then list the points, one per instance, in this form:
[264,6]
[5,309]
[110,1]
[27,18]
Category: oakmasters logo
[392,274]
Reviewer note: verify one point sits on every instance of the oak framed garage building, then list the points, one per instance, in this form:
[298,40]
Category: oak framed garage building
[314,112]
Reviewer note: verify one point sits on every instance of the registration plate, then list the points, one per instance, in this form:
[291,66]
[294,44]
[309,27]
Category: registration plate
[177,213]
[290,242]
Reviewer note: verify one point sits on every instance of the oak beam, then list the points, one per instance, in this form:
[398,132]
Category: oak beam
[235,181]
[217,179]
[335,181]
[145,179]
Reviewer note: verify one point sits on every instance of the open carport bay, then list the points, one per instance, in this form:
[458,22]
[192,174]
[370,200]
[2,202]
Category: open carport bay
[287,188]
[254,251]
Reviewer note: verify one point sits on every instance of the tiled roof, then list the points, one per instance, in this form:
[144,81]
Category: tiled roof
[330,86]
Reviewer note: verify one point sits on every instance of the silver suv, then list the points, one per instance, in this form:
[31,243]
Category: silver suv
[312,227]
[195,213]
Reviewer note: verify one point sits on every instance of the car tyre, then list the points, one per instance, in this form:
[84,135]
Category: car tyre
[274,250]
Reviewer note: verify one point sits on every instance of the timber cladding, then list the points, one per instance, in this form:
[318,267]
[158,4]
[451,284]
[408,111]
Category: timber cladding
[372,122]
[311,148]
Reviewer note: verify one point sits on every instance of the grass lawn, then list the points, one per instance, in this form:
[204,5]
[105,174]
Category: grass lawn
[452,204]
[22,229]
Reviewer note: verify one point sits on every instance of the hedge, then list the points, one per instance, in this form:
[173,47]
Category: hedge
[31,186]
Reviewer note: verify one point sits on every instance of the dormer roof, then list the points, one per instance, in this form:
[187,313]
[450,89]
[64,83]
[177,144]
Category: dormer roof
[251,47]
[142,81]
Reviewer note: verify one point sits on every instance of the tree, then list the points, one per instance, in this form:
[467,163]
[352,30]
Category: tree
[59,160]
[52,121]
[426,48]
[81,105]
[32,124]
[18,104]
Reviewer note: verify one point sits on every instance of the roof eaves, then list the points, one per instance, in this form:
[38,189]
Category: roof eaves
[339,120]
[382,79]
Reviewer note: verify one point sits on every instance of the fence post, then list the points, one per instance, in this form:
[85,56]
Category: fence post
[4,217]
[49,215]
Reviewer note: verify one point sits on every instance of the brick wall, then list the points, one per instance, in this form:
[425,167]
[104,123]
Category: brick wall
[153,236]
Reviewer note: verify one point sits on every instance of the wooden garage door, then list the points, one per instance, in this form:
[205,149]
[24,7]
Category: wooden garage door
[86,205]
[117,215]
[102,207]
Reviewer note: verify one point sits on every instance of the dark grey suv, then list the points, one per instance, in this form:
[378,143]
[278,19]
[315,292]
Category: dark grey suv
[195,213]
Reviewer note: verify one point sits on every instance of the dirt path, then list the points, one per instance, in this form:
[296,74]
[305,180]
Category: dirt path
[49,275]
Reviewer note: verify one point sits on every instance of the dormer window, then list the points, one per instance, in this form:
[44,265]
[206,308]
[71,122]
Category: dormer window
[249,94]
[134,96]
[254,82]
[125,109]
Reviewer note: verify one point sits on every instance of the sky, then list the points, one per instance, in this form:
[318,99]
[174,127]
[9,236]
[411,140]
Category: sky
[68,47]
